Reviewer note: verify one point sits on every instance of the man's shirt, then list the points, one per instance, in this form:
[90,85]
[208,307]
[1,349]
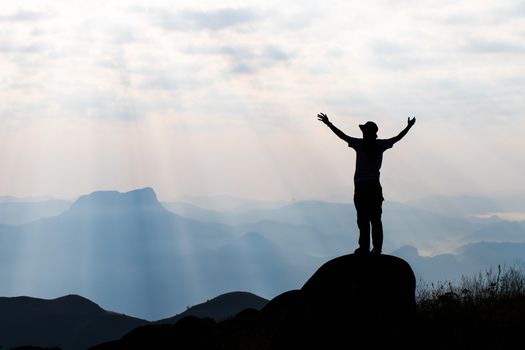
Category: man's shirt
[369,157]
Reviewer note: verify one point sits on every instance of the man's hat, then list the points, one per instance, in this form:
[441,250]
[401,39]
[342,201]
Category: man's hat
[369,127]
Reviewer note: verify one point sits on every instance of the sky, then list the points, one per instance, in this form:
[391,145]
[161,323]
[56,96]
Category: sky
[221,97]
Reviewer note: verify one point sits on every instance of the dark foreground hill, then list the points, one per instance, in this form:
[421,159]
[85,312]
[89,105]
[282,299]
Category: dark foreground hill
[76,323]
[220,308]
[350,302]
[71,322]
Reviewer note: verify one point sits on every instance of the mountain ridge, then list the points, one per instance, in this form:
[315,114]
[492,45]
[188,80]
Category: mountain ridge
[221,307]
[71,322]
[74,322]
[139,199]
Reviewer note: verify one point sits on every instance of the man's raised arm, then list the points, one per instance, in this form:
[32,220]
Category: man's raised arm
[324,118]
[403,132]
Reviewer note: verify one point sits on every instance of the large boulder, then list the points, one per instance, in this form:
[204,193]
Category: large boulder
[350,302]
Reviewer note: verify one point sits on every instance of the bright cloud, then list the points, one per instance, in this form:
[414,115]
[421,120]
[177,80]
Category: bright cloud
[214,97]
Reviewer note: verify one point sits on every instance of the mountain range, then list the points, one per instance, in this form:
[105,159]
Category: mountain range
[130,253]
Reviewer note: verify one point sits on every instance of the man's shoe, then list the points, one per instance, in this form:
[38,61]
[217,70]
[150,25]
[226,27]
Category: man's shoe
[361,251]
[376,251]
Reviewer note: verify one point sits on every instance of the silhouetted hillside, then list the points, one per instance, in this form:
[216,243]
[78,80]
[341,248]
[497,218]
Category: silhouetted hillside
[350,302]
[221,307]
[71,323]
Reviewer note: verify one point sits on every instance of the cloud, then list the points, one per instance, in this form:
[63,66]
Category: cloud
[25,16]
[242,68]
[266,52]
[239,52]
[104,104]
[17,48]
[482,14]
[245,59]
[123,35]
[388,47]
[164,81]
[267,66]
[493,47]
[399,56]
[275,53]
[213,20]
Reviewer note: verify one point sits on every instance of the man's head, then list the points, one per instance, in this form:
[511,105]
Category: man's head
[369,130]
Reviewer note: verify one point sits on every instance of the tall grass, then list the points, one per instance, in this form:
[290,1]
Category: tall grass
[494,284]
[482,311]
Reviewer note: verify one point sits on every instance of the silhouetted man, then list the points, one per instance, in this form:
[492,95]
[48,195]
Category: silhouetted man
[368,194]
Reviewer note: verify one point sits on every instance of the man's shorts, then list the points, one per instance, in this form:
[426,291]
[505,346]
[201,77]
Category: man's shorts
[368,196]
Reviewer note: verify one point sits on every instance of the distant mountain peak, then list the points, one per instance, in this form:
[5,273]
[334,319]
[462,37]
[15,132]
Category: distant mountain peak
[406,251]
[139,199]
[221,307]
[68,304]
[69,322]
[76,303]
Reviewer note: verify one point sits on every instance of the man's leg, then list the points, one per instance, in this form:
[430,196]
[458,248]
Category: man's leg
[363,222]
[377,232]
[375,219]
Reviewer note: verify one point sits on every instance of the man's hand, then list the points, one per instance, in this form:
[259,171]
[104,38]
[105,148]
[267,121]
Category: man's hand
[411,121]
[323,117]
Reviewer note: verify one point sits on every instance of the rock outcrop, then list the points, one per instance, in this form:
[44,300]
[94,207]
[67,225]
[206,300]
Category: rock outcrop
[351,301]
